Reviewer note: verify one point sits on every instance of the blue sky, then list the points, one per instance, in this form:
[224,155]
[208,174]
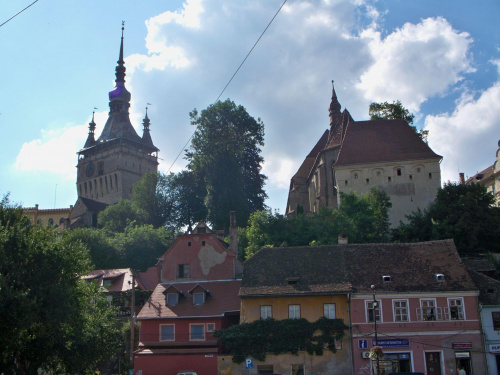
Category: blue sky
[440,58]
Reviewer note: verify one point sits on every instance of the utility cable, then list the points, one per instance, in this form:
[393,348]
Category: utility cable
[225,87]
[18,13]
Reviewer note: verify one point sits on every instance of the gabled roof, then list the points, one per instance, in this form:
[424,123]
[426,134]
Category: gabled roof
[382,141]
[341,269]
[121,278]
[223,298]
[489,289]
[308,163]
[481,176]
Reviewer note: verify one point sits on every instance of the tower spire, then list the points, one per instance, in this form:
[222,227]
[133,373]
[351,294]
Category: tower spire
[120,68]
[334,109]
[91,139]
[146,136]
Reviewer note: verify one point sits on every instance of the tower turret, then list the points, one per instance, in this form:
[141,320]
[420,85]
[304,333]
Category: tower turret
[334,108]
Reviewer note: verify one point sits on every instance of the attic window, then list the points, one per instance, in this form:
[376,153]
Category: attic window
[202,230]
[292,280]
[198,298]
[439,277]
[106,282]
[172,299]
[386,279]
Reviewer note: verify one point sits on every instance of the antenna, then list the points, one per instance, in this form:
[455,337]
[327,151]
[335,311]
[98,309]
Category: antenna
[55,196]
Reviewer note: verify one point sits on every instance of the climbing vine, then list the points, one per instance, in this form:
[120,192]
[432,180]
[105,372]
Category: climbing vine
[260,337]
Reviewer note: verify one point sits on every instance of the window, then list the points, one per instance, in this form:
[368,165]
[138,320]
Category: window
[456,306]
[428,309]
[106,282]
[198,298]
[167,332]
[398,171]
[373,311]
[389,179]
[61,220]
[356,176]
[172,299]
[210,327]
[329,310]
[496,320]
[183,271]
[266,312]
[400,311]
[430,176]
[202,230]
[202,243]
[418,170]
[298,369]
[293,311]
[189,243]
[367,181]
[51,222]
[411,177]
[346,182]
[197,332]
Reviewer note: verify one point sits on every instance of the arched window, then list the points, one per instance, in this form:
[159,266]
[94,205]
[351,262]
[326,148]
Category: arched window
[51,222]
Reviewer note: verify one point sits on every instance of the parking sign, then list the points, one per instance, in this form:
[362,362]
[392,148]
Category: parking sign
[248,363]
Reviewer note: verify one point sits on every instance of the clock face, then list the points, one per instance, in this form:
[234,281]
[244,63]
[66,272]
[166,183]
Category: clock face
[90,170]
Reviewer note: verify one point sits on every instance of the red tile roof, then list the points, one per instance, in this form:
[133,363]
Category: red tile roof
[340,269]
[481,176]
[382,141]
[121,278]
[308,163]
[223,297]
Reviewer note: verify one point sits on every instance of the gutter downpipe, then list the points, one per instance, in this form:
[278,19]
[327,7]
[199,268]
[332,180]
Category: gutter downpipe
[350,331]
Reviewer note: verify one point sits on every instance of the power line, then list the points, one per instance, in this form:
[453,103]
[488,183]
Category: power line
[236,72]
[18,13]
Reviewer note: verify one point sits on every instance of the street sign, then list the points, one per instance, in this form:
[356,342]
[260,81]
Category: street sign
[363,344]
[392,343]
[248,363]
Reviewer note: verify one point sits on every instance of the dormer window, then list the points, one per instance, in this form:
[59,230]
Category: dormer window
[292,280]
[386,279]
[439,277]
[172,299]
[106,282]
[198,298]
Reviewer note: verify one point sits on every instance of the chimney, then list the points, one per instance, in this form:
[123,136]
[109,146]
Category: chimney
[343,239]
[462,178]
[233,233]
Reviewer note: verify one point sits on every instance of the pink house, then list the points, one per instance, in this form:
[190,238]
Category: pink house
[197,283]
[423,306]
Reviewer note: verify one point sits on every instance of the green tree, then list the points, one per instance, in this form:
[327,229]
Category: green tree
[363,218]
[116,217]
[462,212]
[51,319]
[392,111]
[225,156]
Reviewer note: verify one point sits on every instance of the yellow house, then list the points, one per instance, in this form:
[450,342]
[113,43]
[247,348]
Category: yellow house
[278,283]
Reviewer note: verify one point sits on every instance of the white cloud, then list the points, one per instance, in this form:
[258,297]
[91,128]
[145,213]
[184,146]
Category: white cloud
[279,170]
[55,151]
[467,138]
[415,62]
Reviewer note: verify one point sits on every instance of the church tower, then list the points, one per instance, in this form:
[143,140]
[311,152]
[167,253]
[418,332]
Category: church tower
[109,166]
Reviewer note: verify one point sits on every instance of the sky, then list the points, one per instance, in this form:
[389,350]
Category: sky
[441,59]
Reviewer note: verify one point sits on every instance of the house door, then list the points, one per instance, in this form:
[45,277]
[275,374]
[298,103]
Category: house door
[433,363]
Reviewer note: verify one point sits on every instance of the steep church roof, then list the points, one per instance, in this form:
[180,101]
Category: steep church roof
[118,125]
[382,141]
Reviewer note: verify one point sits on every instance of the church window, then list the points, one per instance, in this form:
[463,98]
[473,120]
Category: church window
[101,168]
[399,171]
[61,220]
[116,181]
[110,182]
[90,187]
[95,185]
[51,222]
[106,182]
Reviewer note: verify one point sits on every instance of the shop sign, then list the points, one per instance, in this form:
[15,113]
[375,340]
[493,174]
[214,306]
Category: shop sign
[462,355]
[392,343]
[462,345]
[495,348]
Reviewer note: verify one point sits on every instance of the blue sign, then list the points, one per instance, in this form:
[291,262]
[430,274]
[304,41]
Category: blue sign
[248,363]
[392,343]
[363,344]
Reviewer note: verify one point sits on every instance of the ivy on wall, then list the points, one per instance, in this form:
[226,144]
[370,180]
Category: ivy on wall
[261,337]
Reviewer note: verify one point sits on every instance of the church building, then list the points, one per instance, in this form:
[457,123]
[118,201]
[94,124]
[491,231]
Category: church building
[108,167]
[358,155]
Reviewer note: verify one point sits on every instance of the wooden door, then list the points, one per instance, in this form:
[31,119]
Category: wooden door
[433,363]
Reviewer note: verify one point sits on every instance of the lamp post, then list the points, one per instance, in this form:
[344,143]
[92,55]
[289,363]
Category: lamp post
[375,305]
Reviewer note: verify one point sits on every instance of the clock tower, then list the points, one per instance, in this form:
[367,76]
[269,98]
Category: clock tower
[108,167]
